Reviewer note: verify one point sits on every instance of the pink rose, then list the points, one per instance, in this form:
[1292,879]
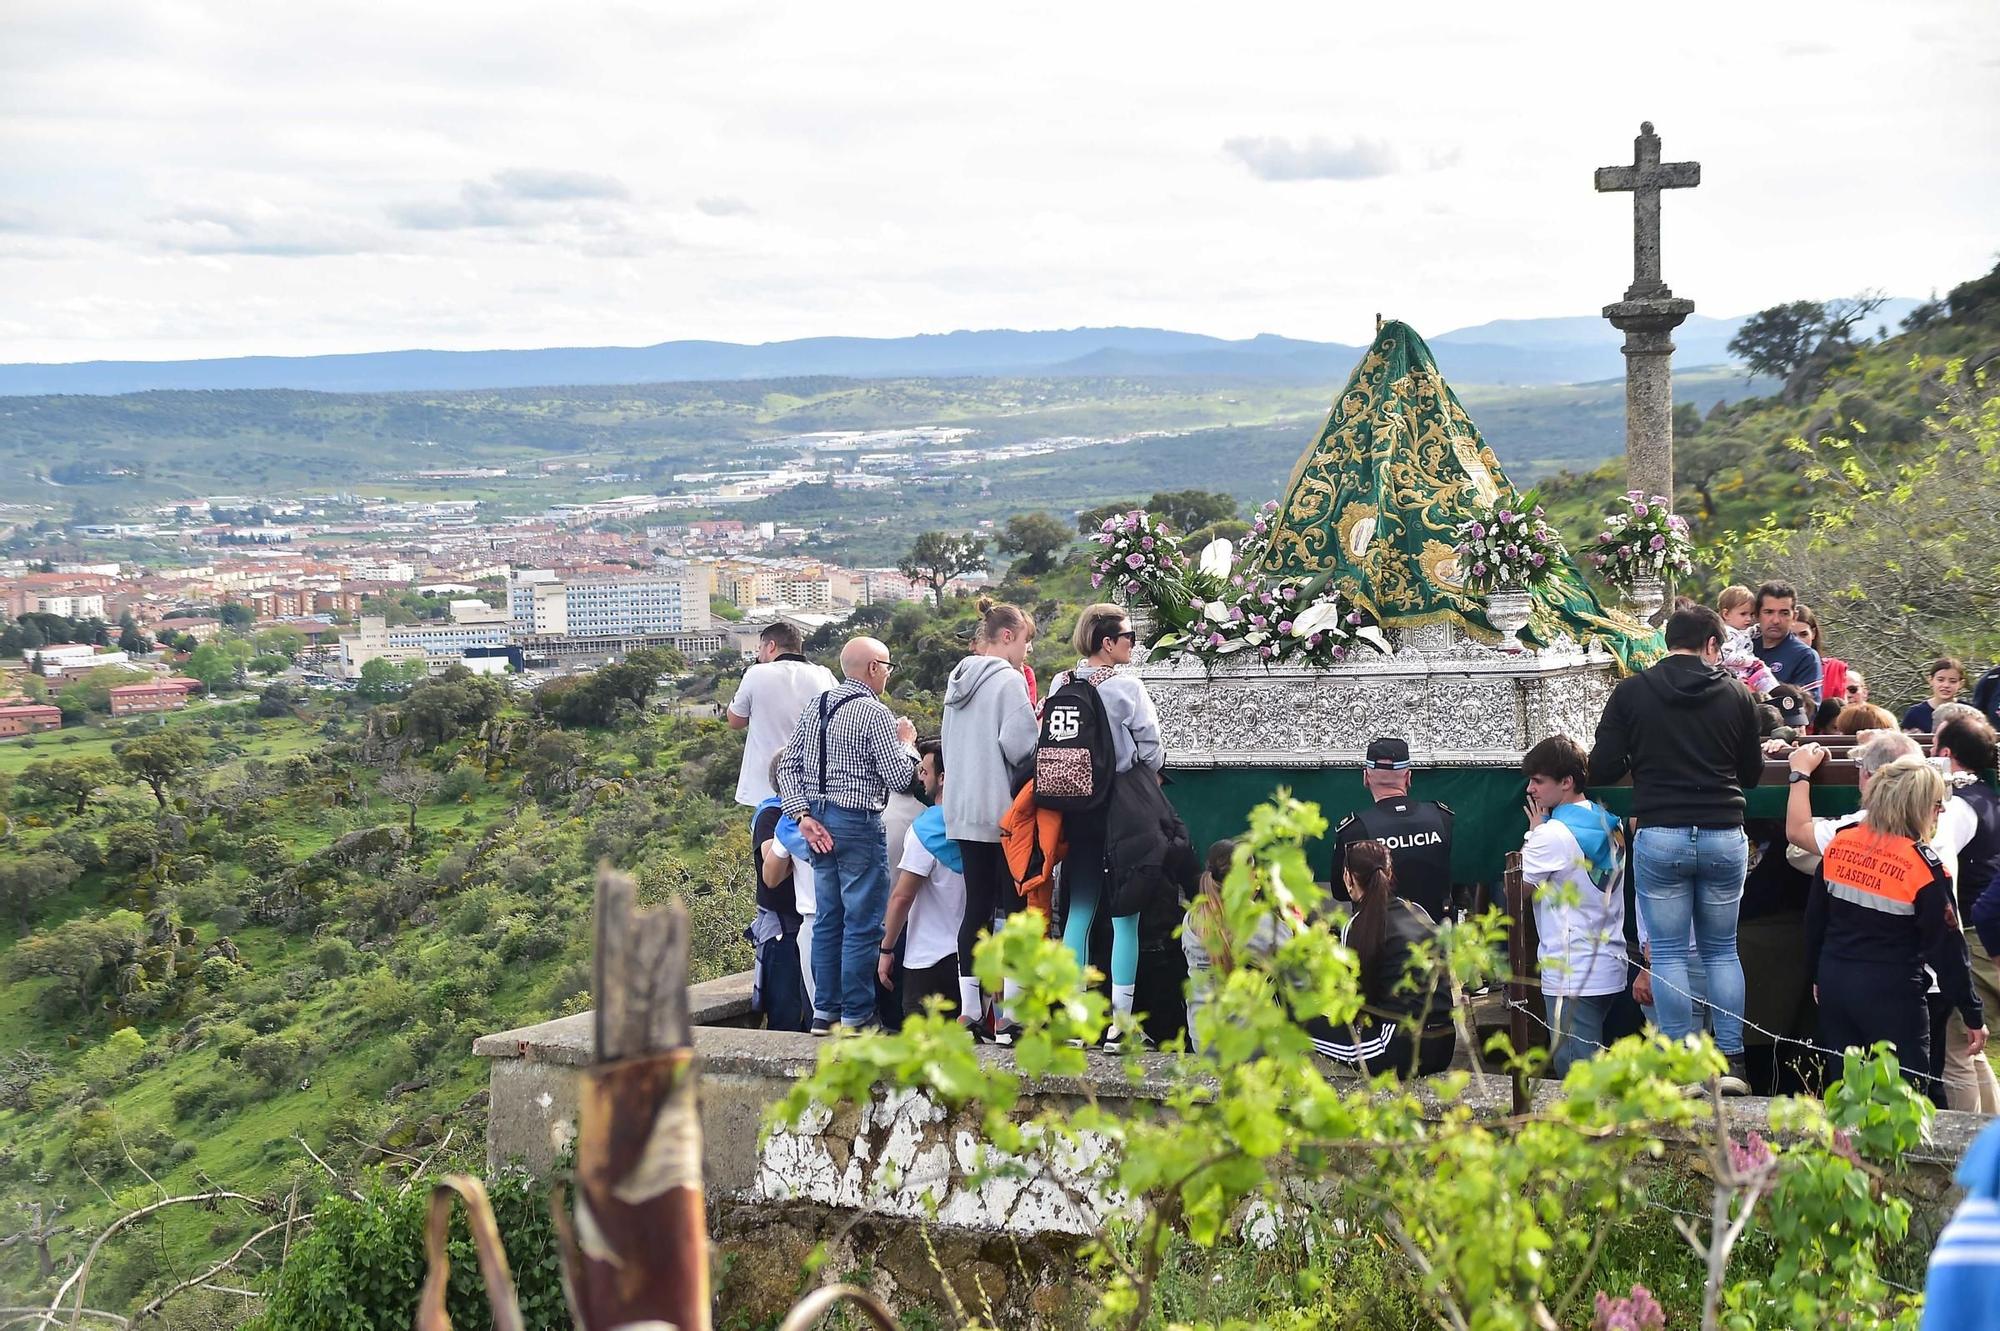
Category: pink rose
[1658,543]
[1540,560]
[1257,621]
[1264,652]
[1291,593]
[1236,614]
[1313,641]
[1479,570]
[1638,510]
[1135,561]
[1478,530]
[1097,579]
[1270,506]
[1284,626]
[1146,544]
[1513,550]
[1215,639]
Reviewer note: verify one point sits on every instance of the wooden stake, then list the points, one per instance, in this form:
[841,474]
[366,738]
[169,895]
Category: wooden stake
[641,1225]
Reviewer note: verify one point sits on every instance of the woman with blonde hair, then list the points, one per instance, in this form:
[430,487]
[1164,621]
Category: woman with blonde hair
[988,734]
[1880,911]
[1104,639]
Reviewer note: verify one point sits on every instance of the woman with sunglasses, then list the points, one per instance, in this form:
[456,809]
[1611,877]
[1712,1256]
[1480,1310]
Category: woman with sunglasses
[1105,638]
[1880,911]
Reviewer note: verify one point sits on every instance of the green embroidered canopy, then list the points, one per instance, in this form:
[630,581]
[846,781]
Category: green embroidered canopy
[1378,498]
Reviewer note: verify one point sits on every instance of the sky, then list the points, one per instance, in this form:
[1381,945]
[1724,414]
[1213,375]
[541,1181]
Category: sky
[183,179]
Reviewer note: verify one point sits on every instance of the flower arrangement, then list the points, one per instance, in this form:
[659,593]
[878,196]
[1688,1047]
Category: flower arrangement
[1647,540]
[1136,554]
[1506,546]
[1223,607]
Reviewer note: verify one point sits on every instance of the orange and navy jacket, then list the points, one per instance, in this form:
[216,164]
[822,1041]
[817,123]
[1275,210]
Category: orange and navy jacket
[1031,839]
[1887,901]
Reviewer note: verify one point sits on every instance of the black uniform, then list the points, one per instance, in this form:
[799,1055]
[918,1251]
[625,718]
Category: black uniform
[1418,834]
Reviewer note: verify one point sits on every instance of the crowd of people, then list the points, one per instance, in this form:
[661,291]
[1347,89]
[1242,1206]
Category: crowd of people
[881,860]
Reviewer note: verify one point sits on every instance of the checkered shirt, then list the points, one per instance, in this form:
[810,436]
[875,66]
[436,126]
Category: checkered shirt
[864,759]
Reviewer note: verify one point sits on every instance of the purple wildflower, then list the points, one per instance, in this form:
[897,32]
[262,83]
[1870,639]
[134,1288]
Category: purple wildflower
[1750,1155]
[1637,1311]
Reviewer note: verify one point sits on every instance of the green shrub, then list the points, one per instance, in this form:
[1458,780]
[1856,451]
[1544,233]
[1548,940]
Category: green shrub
[363,1264]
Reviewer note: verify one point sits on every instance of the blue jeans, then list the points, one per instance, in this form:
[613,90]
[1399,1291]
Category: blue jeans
[1578,1023]
[851,888]
[1692,878]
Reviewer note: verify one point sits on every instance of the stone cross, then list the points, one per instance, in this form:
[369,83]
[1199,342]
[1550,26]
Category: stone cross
[1645,178]
[1648,315]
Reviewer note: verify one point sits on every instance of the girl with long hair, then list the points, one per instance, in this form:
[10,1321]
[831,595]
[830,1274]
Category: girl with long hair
[1405,1023]
[987,734]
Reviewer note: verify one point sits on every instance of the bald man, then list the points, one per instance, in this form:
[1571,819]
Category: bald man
[848,754]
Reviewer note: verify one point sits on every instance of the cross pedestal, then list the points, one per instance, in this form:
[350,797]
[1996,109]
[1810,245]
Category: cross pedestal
[1648,315]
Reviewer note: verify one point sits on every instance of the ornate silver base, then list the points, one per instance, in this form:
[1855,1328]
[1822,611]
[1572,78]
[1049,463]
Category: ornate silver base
[1456,701]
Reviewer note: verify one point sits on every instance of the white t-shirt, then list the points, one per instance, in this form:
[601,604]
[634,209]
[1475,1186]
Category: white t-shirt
[804,894]
[771,696]
[1582,946]
[931,932]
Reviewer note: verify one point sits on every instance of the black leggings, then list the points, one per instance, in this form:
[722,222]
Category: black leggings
[989,891]
[1862,1002]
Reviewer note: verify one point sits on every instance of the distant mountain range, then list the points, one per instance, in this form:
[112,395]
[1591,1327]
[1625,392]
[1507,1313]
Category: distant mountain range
[1505,351]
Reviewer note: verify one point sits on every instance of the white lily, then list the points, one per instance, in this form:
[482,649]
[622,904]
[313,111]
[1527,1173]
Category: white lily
[1369,633]
[1319,617]
[1232,645]
[1216,612]
[1217,556]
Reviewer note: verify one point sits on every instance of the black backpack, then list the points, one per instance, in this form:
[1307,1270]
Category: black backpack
[1073,755]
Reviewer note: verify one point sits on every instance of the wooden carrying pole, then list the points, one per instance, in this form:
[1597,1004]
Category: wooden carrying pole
[638,1252]
[1521,951]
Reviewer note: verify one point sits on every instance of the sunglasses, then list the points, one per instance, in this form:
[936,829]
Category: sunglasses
[1132,634]
[1853,689]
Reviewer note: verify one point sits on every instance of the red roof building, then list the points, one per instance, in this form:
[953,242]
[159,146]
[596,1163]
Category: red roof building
[28,719]
[155,695]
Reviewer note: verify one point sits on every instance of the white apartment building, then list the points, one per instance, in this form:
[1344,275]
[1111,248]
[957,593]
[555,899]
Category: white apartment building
[415,642]
[72,605]
[670,599]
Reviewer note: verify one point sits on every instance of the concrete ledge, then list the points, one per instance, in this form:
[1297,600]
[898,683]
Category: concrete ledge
[570,1041]
[903,1154]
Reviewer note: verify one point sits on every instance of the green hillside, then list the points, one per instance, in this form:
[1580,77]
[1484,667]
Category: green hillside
[1872,483]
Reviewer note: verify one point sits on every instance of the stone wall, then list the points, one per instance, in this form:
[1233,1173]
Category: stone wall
[889,1188]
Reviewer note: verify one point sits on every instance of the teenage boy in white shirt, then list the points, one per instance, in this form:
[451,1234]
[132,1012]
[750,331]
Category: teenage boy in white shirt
[1575,858]
[928,898]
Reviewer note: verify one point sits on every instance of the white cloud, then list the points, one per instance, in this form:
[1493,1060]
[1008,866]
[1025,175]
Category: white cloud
[1314,158]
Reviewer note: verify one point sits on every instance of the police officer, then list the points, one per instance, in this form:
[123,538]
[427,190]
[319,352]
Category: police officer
[1417,832]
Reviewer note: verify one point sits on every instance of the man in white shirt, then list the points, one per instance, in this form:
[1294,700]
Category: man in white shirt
[768,702]
[928,899]
[1575,857]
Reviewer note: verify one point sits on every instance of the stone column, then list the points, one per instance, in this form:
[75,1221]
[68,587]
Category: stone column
[1648,325]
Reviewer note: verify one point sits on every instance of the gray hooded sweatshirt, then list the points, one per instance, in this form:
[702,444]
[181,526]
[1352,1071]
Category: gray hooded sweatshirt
[989,727]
